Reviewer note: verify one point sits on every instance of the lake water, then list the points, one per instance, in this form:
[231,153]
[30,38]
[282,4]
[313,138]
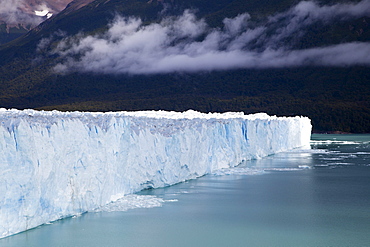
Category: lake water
[312,197]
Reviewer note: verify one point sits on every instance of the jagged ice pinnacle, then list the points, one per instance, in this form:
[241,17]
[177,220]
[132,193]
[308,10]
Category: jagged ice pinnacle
[54,164]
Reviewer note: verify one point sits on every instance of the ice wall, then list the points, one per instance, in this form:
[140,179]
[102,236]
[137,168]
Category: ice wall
[55,165]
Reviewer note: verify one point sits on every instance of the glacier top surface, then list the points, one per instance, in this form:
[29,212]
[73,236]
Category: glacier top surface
[190,114]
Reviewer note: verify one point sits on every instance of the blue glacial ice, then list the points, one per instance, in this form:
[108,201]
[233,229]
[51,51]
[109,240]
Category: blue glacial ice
[59,164]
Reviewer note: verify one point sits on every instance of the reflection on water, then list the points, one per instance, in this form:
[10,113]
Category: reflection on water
[306,197]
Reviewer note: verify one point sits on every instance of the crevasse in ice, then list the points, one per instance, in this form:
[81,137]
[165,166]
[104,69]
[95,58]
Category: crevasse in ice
[56,164]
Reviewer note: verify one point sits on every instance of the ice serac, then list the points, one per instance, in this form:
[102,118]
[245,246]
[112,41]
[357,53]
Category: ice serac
[55,164]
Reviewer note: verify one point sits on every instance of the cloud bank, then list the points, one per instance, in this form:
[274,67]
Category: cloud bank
[14,12]
[29,13]
[188,44]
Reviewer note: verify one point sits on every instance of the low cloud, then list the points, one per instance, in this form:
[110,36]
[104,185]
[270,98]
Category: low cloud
[14,12]
[29,13]
[188,44]
[295,21]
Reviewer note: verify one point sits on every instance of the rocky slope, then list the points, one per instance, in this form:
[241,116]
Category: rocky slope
[19,16]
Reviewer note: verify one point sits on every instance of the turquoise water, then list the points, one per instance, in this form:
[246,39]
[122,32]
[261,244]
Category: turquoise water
[316,197]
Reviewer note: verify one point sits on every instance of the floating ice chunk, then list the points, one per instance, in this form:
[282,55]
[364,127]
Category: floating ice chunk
[238,171]
[305,167]
[130,202]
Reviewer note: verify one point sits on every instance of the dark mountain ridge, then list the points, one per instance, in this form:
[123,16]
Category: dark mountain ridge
[336,98]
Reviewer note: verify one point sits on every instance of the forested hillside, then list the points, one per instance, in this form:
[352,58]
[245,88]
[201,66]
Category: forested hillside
[280,57]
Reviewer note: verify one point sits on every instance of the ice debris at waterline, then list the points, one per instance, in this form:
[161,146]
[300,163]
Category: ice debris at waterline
[59,164]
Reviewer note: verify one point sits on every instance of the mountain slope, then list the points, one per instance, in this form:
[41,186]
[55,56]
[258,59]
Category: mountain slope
[17,17]
[283,57]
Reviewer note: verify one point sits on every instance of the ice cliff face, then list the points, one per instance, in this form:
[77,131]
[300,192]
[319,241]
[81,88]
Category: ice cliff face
[55,165]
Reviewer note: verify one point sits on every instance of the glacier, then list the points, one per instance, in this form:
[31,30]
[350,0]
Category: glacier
[60,164]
